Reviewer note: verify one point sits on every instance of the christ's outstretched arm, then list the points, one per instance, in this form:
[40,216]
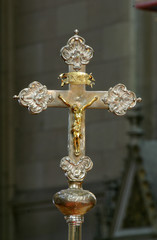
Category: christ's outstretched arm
[64,101]
[90,103]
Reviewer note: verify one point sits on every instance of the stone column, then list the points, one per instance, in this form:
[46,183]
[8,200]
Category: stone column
[6,116]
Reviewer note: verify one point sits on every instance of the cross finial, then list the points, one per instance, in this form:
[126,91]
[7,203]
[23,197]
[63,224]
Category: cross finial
[76,52]
[76,31]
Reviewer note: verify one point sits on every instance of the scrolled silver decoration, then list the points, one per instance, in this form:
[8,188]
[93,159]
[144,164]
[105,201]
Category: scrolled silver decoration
[76,53]
[76,171]
[120,99]
[35,97]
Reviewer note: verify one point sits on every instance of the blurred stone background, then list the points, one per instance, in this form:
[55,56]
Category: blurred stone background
[31,35]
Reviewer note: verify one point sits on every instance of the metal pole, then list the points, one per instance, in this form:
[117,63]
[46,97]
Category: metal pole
[75,226]
[75,232]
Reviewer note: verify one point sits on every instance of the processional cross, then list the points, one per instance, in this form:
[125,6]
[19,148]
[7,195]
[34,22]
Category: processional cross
[74,202]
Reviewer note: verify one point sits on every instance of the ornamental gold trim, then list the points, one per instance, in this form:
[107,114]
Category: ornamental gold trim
[77,78]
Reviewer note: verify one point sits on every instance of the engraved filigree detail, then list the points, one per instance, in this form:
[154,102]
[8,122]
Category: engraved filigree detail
[76,195]
[120,99]
[76,53]
[76,171]
[35,97]
[74,201]
[77,78]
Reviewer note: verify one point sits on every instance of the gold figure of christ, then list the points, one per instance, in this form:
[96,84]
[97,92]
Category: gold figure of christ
[76,126]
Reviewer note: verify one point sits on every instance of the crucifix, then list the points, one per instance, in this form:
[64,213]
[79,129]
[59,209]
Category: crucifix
[74,202]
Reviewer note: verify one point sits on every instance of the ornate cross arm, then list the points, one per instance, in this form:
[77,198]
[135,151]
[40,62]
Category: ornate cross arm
[119,99]
[37,98]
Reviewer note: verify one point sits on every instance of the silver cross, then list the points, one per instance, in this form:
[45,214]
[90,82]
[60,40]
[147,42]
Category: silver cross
[74,202]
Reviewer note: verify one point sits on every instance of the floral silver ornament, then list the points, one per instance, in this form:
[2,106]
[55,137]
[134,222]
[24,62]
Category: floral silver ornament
[76,171]
[35,97]
[76,53]
[120,99]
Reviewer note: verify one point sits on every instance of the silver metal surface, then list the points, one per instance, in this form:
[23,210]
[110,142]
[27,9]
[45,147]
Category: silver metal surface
[76,53]
[74,227]
[74,232]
